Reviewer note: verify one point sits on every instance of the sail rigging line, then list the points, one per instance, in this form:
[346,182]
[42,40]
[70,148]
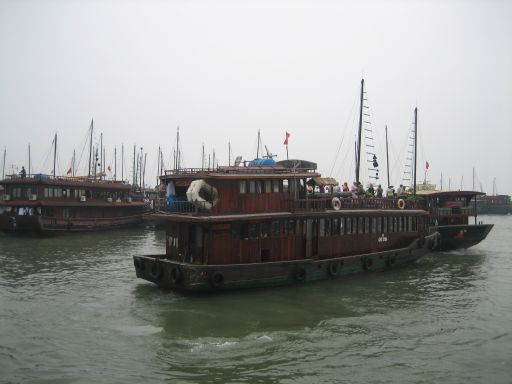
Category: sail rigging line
[350,116]
[84,145]
[372,165]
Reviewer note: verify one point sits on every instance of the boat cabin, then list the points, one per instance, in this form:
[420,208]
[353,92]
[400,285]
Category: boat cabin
[258,214]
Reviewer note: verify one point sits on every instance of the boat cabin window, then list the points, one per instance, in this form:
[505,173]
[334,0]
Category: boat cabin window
[321,227]
[276,185]
[276,231]
[290,228]
[336,226]
[285,185]
[259,188]
[254,230]
[243,187]
[244,231]
[252,186]
[268,186]
[265,229]
[16,192]
[348,226]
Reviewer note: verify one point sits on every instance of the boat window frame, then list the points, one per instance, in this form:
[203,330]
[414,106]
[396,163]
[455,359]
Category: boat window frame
[242,187]
[267,188]
[275,228]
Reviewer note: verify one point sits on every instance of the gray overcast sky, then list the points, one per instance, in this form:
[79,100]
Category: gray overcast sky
[221,70]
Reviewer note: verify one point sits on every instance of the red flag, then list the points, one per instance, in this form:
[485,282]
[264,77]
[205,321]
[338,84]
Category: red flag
[286,139]
[68,172]
[426,164]
[109,169]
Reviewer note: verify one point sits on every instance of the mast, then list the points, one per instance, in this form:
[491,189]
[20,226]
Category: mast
[141,160]
[162,162]
[54,154]
[202,160]
[176,153]
[90,148]
[3,167]
[144,172]
[494,187]
[258,145]
[229,153]
[115,163]
[473,179]
[358,153]
[28,159]
[387,153]
[415,144]
[134,174]
[101,153]
[122,162]
[96,158]
[158,171]
[73,164]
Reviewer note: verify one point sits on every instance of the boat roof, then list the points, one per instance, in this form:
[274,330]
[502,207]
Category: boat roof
[237,173]
[84,182]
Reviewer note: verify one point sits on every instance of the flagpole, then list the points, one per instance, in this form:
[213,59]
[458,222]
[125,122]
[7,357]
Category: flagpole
[286,151]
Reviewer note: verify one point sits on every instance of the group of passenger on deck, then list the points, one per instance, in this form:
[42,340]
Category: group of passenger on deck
[357,190]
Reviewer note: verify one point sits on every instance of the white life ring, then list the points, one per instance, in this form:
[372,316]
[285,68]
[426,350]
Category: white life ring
[336,203]
[202,195]
[401,204]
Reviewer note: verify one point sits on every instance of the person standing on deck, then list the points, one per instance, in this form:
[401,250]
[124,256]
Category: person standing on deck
[23,173]
[379,191]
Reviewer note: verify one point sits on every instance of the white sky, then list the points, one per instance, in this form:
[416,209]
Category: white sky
[221,70]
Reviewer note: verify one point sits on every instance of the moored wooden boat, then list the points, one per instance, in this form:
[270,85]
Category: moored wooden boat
[494,205]
[47,204]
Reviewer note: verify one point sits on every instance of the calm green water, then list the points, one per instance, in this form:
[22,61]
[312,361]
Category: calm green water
[72,311]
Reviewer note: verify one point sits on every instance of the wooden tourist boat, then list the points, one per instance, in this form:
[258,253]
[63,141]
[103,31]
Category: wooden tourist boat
[46,204]
[255,226]
[449,216]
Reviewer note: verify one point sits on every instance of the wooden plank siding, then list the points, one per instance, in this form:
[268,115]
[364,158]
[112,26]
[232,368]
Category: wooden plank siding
[257,241]
[232,201]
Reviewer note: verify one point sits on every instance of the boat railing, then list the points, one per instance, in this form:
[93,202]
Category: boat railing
[326,203]
[187,171]
[186,207]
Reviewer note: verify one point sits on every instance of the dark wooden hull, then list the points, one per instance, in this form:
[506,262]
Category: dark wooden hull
[461,236]
[51,225]
[194,277]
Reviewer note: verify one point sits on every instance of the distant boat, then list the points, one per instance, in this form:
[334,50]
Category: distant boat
[495,205]
[46,204]
[51,204]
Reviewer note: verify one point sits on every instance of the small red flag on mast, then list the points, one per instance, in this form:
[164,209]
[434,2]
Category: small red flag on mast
[286,138]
